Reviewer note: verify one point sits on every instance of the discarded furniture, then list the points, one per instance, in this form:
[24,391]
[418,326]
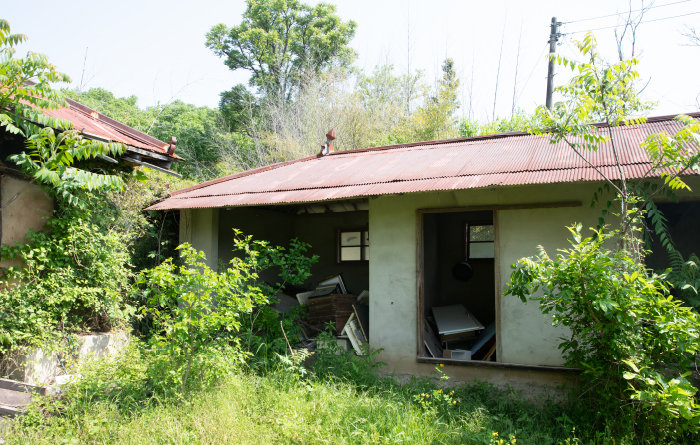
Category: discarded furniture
[455,320]
[335,308]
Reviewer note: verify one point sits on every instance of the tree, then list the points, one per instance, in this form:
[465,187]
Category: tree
[634,343]
[238,108]
[633,340]
[518,121]
[196,130]
[25,87]
[606,92]
[122,109]
[283,43]
[436,118]
[25,90]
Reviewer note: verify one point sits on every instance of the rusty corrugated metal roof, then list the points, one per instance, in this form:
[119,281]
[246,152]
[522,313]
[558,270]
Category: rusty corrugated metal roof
[487,161]
[87,120]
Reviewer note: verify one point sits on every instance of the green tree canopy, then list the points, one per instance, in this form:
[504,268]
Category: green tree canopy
[436,118]
[284,42]
[25,87]
[49,159]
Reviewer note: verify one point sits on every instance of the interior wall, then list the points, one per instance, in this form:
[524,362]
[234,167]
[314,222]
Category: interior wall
[431,258]
[200,228]
[319,230]
[683,219]
[477,294]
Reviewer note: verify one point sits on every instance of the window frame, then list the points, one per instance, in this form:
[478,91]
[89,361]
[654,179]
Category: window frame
[468,242]
[364,234]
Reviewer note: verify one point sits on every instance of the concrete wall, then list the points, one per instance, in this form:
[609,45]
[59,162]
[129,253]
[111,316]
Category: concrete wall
[41,367]
[24,206]
[523,219]
[524,336]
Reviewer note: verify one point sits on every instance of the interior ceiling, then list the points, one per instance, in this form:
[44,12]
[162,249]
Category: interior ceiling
[351,205]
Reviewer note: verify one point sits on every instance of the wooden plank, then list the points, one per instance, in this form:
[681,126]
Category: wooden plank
[498,291]
[359,322]
[431,342]
[419,284]
[354,333]
[489,354]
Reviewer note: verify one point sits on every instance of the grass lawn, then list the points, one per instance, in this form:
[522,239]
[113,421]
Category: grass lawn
[278,408]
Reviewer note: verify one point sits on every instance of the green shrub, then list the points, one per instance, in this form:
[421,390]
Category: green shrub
[204,321]
[196,312]
[263,326]
[634,342]
[74,276]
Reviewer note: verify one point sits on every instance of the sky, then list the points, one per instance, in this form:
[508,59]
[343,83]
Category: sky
[154,49]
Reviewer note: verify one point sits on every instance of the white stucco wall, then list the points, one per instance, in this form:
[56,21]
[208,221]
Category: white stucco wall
[525,335]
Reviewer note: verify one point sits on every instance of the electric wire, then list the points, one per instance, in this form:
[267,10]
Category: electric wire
[645,21]
[623,13]
[532,71]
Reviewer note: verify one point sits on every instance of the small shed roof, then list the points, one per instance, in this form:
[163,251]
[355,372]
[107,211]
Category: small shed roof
[466,163]
[92,123]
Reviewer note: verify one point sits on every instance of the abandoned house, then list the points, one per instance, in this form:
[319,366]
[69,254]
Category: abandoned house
[26,206]
[431,230]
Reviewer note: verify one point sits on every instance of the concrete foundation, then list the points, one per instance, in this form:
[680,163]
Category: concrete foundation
[40,367]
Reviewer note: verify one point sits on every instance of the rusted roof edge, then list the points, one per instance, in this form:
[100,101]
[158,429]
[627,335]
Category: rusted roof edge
[391,147]
[393,181]
[122,128]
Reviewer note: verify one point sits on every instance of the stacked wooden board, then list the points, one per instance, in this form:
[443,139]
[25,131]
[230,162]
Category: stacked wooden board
[335,308]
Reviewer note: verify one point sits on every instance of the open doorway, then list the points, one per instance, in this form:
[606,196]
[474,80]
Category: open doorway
[458,285]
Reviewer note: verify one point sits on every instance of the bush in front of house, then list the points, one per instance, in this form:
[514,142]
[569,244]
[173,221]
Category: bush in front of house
[202,320]
[634,342]
[74,276]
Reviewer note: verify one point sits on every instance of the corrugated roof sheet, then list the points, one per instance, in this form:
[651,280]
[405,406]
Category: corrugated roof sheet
[496,160]
[87,120]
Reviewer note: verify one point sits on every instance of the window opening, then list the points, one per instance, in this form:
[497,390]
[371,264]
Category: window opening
[353,246]
[480,241]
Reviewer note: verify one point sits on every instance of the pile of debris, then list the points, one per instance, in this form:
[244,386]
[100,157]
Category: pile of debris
[331,305]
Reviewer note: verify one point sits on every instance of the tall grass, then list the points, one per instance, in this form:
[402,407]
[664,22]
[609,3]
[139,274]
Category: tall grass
[339,401]
[275,408]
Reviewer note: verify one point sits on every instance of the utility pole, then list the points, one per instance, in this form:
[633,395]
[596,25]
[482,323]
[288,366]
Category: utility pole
[553,39]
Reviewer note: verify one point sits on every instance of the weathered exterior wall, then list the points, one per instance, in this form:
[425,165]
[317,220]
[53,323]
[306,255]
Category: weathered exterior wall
[523,221]
[537,385]
[23,206]
[524,335]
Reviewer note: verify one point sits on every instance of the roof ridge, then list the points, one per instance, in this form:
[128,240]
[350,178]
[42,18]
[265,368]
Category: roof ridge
[118,126]
[652,119]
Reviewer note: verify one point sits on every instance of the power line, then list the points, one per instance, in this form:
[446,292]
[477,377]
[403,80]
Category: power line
[621,13]
[645,21]
[532,71]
